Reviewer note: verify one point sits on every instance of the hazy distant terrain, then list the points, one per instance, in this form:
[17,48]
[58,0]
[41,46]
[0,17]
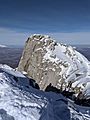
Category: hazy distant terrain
[85,50]
[11,55]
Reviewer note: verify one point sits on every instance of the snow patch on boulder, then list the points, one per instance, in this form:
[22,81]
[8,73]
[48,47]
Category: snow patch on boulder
[47,62]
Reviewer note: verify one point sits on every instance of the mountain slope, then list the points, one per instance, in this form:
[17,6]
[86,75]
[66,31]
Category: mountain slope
[47,62]
[18,102]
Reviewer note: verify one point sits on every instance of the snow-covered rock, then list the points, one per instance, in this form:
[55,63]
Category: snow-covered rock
[47,62]
[18,102]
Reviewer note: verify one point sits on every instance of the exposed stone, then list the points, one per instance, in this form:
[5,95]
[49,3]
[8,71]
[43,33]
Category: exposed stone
[47,62]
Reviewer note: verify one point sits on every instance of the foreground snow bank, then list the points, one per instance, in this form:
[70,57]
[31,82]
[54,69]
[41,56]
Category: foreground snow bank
[18,102]
[21,103]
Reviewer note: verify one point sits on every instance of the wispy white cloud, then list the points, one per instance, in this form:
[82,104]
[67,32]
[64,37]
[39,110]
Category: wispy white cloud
[72,38]
[11,37]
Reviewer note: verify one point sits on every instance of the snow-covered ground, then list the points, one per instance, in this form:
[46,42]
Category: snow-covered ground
[18,102]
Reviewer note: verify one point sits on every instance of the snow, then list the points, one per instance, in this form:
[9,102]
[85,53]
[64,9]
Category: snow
[77,69]
[60,63]
[5,66]
[21,103]
[11,71]
[29,104]
[14,73]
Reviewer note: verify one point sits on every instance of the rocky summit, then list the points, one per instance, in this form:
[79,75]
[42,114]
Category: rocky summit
[47,61]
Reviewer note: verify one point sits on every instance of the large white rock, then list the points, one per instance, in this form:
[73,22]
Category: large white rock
[47,62]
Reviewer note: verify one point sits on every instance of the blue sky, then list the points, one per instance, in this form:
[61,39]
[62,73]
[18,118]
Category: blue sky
[68,21]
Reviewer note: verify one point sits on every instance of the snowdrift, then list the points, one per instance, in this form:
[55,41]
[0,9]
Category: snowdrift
[17,102]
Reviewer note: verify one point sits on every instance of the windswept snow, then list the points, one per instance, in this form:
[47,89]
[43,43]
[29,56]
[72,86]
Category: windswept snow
[74,66]
[21,103]
[11,71]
